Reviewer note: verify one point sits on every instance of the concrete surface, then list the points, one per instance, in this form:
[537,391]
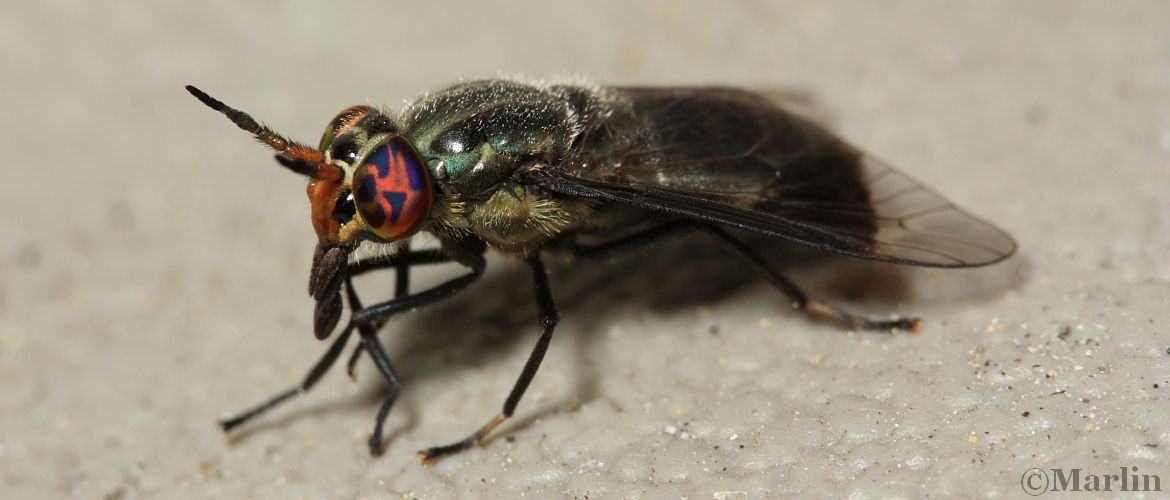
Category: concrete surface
[153,260]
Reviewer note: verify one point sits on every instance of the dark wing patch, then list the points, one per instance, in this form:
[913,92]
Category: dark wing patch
[732,158]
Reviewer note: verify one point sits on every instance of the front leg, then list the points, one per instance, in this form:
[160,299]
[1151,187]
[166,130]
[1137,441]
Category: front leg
[331,267]
[365,318]
[322,366]
[401,262]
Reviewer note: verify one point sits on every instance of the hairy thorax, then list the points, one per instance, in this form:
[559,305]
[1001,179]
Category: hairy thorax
[515,219]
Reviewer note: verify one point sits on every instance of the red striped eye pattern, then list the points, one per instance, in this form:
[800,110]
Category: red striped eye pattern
[392,190]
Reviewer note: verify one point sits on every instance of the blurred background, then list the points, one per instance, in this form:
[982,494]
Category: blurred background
[153,259]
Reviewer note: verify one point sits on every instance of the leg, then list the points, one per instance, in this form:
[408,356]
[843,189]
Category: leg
[370,342]
[401,289]
[409,258]
[330,268]
[366,321]
[548,319]
[311,379]
[371,315]
[362,317]
[812,306]
[799,299]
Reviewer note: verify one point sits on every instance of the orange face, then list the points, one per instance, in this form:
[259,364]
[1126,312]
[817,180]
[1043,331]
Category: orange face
[325,192]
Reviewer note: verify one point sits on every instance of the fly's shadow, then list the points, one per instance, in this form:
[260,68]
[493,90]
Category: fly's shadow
[475,328]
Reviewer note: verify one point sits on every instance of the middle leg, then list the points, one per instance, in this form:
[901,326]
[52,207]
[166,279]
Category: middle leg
[548,320]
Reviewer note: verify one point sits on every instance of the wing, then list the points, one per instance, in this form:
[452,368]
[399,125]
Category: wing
[734,158]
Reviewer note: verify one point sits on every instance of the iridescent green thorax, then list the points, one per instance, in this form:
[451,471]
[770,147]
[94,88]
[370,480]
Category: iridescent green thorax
[475,135]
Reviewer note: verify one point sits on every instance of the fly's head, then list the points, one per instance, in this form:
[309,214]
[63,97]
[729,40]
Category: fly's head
[385,193]
[366,182]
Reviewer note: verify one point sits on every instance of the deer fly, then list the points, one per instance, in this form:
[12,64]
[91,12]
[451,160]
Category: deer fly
[526,168]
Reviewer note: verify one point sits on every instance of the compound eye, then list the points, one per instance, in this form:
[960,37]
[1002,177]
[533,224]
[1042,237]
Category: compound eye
[344,148]
[347,118]
[392,189]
